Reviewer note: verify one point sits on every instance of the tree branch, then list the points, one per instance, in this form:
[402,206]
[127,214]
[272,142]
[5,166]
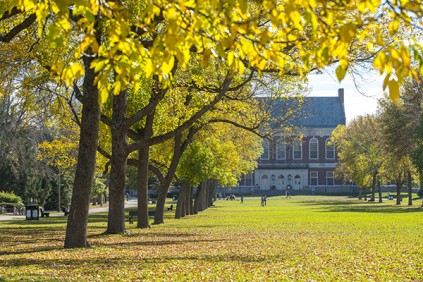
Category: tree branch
[17,29]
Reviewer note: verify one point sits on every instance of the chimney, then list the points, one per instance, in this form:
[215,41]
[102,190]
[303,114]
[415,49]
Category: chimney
[341,95]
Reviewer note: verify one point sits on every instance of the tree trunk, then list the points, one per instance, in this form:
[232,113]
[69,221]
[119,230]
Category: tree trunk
[360,193]
[373,187]
[197,199]
[161,201]
[181,205]
[116,216]
[379,189]
[188,200]
[421,183]
[204,195]
[410,188]
[76,229]
[190,204]
[398,184]
[142,183]
[178,150]
[142,177]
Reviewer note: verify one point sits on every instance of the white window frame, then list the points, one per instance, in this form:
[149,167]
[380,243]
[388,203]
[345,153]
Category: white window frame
[293,149]
[313,140]
[262,157]
[314,177]
[332,177]
[278,149]
[326,149]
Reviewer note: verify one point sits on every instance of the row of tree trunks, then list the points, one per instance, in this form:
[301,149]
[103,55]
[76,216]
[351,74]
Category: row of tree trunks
[184,203]
[178,150]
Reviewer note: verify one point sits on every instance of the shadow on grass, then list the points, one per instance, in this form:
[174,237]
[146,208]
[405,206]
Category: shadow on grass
[136,262]
[29,251]
[362,206]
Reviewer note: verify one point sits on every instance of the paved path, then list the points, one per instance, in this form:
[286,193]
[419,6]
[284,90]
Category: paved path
[130,203]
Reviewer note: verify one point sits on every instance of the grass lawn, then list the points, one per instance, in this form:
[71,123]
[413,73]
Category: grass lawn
[306,238]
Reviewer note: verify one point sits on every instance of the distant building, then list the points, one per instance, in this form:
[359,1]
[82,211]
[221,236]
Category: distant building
[291,162]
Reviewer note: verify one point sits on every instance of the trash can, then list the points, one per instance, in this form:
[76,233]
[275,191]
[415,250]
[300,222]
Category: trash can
[32,212]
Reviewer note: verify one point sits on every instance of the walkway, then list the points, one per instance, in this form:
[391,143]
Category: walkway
[128,204]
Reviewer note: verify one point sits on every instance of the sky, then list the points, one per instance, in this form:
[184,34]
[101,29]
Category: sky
[356,104]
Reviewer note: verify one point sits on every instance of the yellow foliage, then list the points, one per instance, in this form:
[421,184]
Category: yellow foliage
[292,36]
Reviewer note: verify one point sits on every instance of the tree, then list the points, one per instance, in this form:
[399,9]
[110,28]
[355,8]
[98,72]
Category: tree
[417,152]
[398,125]
[289,38]
[359,151]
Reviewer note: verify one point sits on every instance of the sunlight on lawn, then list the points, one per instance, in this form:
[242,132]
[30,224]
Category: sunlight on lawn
[305,238]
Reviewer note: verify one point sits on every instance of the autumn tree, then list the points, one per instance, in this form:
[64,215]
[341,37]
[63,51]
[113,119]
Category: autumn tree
[126,39]
[359,150]
[398,123]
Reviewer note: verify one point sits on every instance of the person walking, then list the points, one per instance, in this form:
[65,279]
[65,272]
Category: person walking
[287,192]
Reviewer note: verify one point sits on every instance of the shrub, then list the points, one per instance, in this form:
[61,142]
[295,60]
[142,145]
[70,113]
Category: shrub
[10,199]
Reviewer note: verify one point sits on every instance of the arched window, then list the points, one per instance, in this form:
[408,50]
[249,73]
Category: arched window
[330,149]
[313,149]
[266,153]
[297,182]
[280,150]
[297,151]
[281,182]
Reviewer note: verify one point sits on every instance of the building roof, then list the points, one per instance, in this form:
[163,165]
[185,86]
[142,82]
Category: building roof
[316,112]
[322,112]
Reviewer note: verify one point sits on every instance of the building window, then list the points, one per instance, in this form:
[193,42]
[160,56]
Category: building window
[314,178]
[329,178]
[313,149]
[297,149]
[280,150]
[281,182]
[330,150]
[266,153]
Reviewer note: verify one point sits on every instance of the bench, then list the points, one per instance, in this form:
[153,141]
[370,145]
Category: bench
[170,208]
[43,213]
[133,215]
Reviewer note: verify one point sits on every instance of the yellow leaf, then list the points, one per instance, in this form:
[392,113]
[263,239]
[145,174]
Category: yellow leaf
[347,32]
[231,56]
[77,70]
[386,81]
[340,72]
[116,90]
[394,92]
[167,66]
[149,69]
[243,5]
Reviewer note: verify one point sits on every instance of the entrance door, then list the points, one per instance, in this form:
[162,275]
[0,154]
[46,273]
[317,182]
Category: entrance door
[281,182]
[297,183]
[264,185]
